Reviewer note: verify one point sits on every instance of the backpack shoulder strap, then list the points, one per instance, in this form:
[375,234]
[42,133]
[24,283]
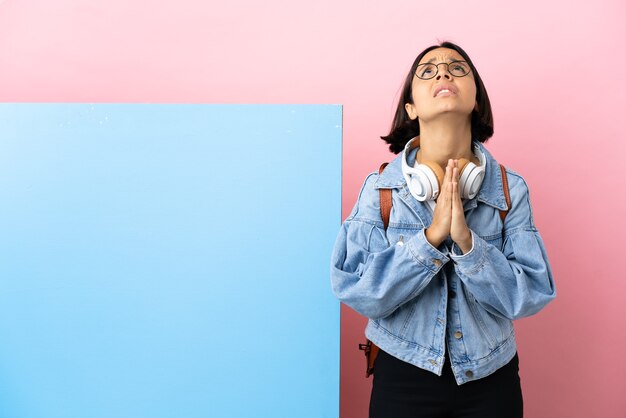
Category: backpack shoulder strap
[385,200]
[505,186]
[371,350]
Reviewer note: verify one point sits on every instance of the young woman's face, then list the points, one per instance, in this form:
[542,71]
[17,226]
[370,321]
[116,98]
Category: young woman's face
[428,99]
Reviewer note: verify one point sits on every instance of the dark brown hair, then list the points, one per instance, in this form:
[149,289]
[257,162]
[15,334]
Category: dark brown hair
[403,128]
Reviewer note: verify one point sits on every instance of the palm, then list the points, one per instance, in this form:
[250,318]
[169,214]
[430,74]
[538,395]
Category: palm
[448,216]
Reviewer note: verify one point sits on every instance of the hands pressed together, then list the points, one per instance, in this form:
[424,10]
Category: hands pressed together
[448,217]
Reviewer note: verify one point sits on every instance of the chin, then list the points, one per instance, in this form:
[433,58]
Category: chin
[448,112]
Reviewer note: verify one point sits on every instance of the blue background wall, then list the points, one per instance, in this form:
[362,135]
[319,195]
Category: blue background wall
[168,260]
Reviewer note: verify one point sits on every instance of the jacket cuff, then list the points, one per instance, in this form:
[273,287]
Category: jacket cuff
[423,252]
[472,261]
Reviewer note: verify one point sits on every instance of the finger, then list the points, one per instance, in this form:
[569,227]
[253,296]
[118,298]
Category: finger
[448,174]
[453,198]
[457,205]
[444,186]
[455,182]
[448,186]
[457,196]
[454,187]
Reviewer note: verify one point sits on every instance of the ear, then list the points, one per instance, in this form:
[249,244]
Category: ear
[410,110]
[476,107]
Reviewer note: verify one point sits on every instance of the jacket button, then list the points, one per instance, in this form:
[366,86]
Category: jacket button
[458,334]
[469,373]
[436,262]
[452,294]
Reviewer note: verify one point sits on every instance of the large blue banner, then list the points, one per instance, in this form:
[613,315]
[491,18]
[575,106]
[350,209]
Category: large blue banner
[168,260]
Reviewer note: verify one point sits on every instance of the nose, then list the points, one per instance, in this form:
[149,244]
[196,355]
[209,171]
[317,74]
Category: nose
[442,71]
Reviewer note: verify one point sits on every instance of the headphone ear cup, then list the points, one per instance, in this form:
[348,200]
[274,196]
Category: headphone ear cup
[470,179]
[437,171]
[463,162]
[435,175]
[418,186]
[422,183]
[463,171]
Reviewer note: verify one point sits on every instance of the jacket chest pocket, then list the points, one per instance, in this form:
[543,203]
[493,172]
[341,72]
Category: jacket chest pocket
[485,221]
[400,235]
[495,239]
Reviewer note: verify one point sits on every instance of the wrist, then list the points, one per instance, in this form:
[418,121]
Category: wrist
[466,243]
[433,238]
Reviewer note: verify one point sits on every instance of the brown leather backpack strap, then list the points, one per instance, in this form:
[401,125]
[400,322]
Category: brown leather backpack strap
[385,201]
[507,196]
[371,350]
[372,359]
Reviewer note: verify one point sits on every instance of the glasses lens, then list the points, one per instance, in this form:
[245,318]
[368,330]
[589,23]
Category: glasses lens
[459,68]
[426,71]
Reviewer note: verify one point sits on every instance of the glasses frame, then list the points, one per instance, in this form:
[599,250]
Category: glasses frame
[447,69]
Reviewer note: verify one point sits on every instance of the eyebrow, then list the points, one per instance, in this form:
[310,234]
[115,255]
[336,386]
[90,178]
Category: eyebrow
[449,60]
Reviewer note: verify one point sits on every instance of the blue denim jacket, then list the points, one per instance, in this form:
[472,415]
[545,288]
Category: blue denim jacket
[420,299]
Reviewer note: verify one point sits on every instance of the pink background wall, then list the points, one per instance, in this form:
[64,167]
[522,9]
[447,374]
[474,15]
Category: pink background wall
[554,72]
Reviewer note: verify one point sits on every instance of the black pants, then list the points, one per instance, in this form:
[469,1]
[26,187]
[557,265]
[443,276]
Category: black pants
[402,390]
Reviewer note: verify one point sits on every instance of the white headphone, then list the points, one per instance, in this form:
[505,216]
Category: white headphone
[424,180]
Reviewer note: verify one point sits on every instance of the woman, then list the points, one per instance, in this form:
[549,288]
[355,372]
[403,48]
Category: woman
[455,265]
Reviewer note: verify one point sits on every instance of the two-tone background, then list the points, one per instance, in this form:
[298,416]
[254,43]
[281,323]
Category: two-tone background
[554,74]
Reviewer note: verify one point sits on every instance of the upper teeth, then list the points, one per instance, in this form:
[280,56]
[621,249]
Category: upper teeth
[443,91]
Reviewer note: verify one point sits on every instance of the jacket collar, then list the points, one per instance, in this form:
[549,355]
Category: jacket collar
[491,191]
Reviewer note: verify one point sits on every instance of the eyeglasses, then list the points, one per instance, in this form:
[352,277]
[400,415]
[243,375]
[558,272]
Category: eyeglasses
[430,70]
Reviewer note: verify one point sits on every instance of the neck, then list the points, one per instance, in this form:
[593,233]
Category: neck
[446,138]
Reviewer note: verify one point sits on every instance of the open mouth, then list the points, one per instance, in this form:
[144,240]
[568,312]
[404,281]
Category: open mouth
[444,92]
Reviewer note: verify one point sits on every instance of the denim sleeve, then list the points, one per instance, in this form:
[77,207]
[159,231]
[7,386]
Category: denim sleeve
[517,281]
[373,277]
